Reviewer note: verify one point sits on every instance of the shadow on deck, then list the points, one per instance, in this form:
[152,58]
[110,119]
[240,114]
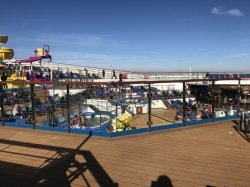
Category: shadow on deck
[59,170]
[62,169]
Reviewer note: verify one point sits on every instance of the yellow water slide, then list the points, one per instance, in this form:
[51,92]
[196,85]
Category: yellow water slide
[15,78]
[5,53]
[3,39]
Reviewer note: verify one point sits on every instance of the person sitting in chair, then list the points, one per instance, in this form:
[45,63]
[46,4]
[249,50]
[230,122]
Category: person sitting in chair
[92,121]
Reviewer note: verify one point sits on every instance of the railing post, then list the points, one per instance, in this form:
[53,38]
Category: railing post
[1,105]
[33,115]
[110,125]
[68,108]
[239,97]
[184,118]
[149,107]
[86,75]
[116,109]
[45,95]
[80,74]
[213,92]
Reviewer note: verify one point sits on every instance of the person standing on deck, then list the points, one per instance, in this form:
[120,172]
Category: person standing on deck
[4,78]
[114,75]
[103,73]
[120,77]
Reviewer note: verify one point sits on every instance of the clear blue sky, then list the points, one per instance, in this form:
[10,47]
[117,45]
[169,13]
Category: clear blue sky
[137,35]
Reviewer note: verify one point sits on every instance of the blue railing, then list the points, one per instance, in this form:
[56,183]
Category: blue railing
[122,133]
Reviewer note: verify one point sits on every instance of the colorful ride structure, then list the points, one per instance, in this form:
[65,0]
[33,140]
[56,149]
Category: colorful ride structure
[5,53]
[24,68]
[40,54]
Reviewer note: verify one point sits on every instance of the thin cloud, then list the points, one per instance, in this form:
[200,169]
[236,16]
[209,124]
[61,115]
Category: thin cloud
[232,12]
[238,55]
[244,40]
[106,60]
[87,56]
[84,40]
[21,49]
[217,11]
[155,52]
[235,12]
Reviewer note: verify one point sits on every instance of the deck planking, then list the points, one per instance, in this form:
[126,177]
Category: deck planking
[214,154]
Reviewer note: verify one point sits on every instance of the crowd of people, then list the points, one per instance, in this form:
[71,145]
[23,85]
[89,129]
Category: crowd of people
[39,73]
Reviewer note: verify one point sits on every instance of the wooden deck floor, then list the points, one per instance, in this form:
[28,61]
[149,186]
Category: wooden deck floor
[215,155]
